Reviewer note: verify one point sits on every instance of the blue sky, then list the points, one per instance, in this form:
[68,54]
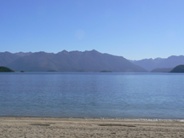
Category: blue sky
[134,29]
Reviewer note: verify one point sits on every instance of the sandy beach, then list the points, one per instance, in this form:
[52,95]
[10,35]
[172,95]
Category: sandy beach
[89,128]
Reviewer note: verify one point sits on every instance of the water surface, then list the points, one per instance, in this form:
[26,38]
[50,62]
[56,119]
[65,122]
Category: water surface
[92,95]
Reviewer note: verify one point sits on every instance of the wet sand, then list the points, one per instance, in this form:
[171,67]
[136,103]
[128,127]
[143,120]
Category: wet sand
[11,127]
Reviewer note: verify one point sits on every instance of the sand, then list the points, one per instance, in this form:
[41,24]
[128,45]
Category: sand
[89,128]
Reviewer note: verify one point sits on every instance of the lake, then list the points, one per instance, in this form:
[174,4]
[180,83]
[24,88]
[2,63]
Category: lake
[93,95]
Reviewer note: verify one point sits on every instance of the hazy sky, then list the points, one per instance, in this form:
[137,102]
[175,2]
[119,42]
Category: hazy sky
[134,29]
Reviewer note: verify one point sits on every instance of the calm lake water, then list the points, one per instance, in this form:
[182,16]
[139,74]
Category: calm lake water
[92,95]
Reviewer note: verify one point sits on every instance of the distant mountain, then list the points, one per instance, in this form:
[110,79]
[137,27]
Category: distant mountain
[7,58]
[160,63]
[178,69]
[74,61]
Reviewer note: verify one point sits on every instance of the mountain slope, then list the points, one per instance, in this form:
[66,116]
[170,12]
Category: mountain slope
[70,62]
[7,58]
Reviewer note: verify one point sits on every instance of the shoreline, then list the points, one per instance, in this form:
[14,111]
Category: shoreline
[90,118]
[28,127]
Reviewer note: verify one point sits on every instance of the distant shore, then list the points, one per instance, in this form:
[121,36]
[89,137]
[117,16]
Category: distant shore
[28,127]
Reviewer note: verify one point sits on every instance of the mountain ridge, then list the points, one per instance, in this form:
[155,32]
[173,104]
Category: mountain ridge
[65,61]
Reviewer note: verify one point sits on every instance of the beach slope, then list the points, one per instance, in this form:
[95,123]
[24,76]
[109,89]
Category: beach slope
[89,128]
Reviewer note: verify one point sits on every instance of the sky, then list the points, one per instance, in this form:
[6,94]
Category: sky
[134,29]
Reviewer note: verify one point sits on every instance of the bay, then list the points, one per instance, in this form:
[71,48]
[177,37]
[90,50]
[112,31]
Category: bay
[92,95]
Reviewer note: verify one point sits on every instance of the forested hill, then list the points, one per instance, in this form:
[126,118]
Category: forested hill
[5,69]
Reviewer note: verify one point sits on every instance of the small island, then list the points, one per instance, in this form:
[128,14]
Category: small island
[5,69]
[178,69]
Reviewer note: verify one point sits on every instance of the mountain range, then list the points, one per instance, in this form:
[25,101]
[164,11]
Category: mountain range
[87,61]
[160,64]
[64,61]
